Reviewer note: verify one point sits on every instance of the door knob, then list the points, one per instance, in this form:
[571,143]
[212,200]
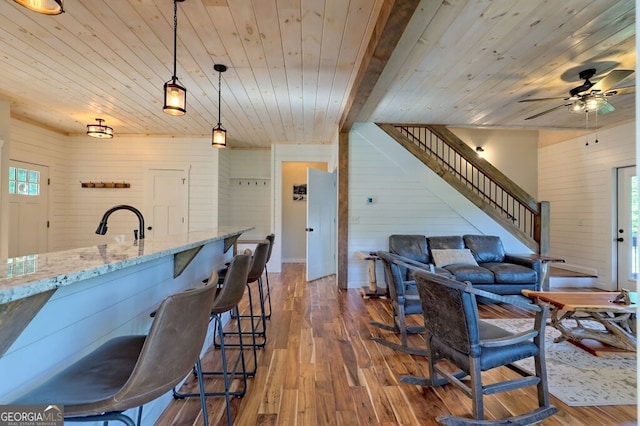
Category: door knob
[619,239]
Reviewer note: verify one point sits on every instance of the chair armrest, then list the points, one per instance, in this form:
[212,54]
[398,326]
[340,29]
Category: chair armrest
[522,260]
[503,299]
[535,264]
[510,340]
[414,265]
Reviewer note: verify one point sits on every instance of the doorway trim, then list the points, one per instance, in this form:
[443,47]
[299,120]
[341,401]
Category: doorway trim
[281,153]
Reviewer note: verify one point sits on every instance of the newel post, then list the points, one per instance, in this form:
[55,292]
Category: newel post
[541,226]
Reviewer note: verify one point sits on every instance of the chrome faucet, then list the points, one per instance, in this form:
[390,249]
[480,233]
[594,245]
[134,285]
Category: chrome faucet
[102,227]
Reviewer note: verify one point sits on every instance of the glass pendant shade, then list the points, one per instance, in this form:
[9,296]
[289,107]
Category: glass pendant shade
[175,98]
[99,130]
[46,7]
[219,137]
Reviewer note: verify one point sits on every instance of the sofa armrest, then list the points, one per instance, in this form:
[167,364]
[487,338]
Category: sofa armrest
[534,264]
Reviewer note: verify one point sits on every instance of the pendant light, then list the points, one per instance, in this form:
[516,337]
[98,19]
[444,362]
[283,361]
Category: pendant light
[46,7]
[175,95]
[219,134]
[99,130]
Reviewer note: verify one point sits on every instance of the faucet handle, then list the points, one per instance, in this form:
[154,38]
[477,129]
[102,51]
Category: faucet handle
[135,234]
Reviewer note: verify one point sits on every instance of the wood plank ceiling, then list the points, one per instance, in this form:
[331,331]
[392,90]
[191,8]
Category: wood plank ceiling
[293,63]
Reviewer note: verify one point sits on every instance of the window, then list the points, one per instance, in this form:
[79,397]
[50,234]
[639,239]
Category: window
[24,181]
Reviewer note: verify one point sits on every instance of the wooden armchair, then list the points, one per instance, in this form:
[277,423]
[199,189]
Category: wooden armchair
[404,301]
[454,332]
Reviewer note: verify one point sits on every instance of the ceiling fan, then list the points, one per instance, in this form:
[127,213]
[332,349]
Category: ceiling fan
[590,97]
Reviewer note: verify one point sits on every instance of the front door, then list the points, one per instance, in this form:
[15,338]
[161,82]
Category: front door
[28,208]
[627,229]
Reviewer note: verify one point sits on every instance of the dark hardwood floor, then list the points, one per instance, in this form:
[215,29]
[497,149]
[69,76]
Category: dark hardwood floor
[320,367]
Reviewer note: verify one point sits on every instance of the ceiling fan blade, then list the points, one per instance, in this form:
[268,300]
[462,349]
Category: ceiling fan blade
[547,111]
[544,99]
[611,79]
[606,109]
[621,91]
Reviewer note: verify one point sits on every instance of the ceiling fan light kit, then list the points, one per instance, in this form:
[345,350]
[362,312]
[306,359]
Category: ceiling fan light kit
[589,96]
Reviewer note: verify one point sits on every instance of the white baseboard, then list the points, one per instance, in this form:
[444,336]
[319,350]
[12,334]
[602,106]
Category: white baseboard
[576,268]
[575,282]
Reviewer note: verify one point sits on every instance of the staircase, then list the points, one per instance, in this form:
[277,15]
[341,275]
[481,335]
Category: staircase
[484,185]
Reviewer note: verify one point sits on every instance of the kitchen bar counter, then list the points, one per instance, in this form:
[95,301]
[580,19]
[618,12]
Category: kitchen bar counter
[57,307]
[30,275]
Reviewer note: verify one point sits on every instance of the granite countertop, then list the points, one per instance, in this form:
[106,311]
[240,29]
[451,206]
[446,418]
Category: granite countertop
[29,275]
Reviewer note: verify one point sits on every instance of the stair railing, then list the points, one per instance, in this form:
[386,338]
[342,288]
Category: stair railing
[481,182]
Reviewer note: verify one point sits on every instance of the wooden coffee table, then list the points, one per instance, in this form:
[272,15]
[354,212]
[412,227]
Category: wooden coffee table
[569,310]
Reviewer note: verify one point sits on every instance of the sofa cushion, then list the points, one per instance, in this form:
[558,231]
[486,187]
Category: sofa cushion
[472,273]
[446,257]
[510,273]
[449,242]
[485,248]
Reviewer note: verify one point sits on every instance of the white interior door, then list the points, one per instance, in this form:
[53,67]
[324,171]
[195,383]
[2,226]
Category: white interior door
[28,208]
[627,230]
[321,229]
[168,199]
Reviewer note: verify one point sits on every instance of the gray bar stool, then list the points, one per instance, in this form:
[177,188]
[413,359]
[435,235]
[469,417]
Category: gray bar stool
[258,328]
[271,238]
[229,295]
[129,371]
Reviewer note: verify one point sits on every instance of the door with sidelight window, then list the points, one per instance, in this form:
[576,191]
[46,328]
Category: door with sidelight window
[28,208]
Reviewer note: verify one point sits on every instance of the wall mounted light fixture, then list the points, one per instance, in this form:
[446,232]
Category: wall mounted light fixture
[46,7]
[218,133]
[99,130]
[175,94]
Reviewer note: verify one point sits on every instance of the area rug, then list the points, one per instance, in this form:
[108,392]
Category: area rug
[578,378]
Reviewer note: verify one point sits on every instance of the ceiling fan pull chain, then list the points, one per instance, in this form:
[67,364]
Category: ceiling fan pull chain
[586,126]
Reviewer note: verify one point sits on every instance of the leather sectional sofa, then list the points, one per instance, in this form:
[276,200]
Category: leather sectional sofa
[479,259]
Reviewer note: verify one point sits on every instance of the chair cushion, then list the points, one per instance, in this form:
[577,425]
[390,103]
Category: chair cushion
[96,377]
[511,274]
[490,357]
[472,273]
[485,248]
[446,257]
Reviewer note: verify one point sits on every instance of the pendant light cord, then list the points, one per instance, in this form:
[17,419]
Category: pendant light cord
[219,101]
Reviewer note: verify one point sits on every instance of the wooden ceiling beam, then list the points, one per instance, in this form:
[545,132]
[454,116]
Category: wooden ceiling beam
[393,19]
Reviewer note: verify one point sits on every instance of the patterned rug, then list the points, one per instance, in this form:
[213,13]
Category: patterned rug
[578,378]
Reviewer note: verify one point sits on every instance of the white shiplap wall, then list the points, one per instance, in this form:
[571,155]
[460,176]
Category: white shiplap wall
[579,182]
[74,211]
[130,159]
[408,198]
[250,191]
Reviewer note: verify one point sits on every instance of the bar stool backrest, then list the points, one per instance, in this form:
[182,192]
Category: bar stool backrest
[259,261]
[235,281]
[171,348]
[271,238]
